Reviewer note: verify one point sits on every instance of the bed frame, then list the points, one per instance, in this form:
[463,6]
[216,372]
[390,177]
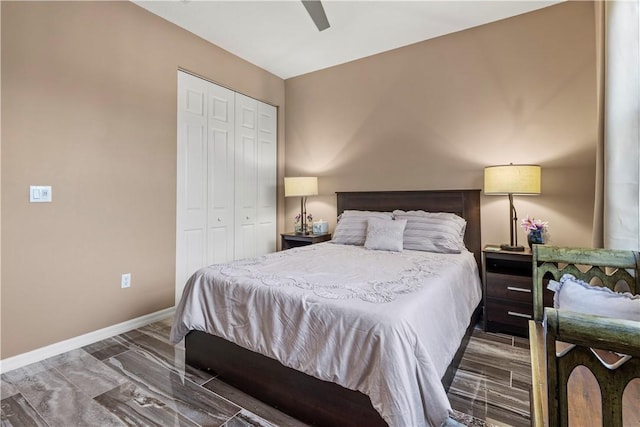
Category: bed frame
[309,399]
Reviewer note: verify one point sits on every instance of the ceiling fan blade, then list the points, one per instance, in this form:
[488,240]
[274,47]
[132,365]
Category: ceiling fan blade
[316,11]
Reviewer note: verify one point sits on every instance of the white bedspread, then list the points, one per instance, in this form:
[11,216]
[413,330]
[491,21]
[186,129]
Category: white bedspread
[384,323]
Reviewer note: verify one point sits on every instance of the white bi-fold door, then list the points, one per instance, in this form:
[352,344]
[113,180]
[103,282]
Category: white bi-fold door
[226,177]
[255,178]
[266,167]
[246,175]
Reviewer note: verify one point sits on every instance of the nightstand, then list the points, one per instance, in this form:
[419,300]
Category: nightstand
[508,290]
[293,240]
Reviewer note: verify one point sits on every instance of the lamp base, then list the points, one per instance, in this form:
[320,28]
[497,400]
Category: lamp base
[511,248]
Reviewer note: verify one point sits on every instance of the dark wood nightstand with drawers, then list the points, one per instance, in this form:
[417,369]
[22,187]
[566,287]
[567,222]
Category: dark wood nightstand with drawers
[508,290]
[293,240]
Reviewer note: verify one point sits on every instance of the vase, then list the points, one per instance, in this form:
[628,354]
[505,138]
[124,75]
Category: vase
[535,238]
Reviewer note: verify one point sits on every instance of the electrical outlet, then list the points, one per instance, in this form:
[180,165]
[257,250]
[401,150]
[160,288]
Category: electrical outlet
[125,280]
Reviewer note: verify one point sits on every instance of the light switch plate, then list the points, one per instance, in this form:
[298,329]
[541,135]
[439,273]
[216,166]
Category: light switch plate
[40,193]
[125,280]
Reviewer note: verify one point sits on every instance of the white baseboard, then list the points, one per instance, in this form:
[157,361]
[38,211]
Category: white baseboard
[11,363]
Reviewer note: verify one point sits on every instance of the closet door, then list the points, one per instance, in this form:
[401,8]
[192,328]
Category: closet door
[226,177]
[220,163]
[191,200]
[267,180]
[205,176]
[246,177]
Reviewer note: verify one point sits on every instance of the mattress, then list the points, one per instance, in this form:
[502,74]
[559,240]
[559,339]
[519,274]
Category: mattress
[386,324]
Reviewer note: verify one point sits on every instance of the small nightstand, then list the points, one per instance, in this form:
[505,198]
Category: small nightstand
[293,240]
[508,290]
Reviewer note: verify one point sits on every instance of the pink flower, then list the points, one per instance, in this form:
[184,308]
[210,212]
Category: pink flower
[530,224]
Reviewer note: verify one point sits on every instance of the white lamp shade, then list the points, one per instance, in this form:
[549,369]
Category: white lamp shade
[512,179]
[300,186]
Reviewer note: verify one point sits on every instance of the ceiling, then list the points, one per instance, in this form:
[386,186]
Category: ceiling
[280,37]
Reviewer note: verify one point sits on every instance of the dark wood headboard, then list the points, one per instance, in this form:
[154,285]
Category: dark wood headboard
[464,203]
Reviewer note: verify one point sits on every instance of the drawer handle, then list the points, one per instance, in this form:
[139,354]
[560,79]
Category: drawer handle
[513,313]
[513,288]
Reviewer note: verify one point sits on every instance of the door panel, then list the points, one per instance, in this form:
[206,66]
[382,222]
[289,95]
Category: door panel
[247,237]
[217,245]
[194,168]
[191,197]
[266,179]
[245,176]
[220,218]
[195,256]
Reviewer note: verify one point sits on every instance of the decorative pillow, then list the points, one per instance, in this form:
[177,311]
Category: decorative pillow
[440,232]
[352,226]
[385,234]
[576,295]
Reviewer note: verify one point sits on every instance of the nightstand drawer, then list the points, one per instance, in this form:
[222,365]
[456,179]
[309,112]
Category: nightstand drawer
[509,313]
[506,286]
[515,264]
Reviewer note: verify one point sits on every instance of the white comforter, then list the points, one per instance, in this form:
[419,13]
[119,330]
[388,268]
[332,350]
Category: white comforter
[384,323]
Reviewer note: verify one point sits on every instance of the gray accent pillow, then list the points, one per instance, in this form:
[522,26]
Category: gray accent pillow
[440,232]
[576,295]
[385,234]
[352,226]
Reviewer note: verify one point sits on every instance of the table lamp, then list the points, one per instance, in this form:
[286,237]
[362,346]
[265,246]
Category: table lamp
[512,179]
[301,186]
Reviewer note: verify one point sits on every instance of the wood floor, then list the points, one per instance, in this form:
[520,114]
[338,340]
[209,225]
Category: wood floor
[492,382]
[137,378]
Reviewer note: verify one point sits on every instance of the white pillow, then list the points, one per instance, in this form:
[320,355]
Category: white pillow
[440,232]
[385,234]
[352,226]
[576,295]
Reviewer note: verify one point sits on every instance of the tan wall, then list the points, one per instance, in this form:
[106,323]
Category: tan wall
[433,114]
[89,107]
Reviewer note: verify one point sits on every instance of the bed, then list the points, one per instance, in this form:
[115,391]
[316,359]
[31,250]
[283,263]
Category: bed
[400,362]
[585,351]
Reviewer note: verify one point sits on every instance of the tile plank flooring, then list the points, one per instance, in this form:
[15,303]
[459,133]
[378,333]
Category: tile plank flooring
[138,378]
